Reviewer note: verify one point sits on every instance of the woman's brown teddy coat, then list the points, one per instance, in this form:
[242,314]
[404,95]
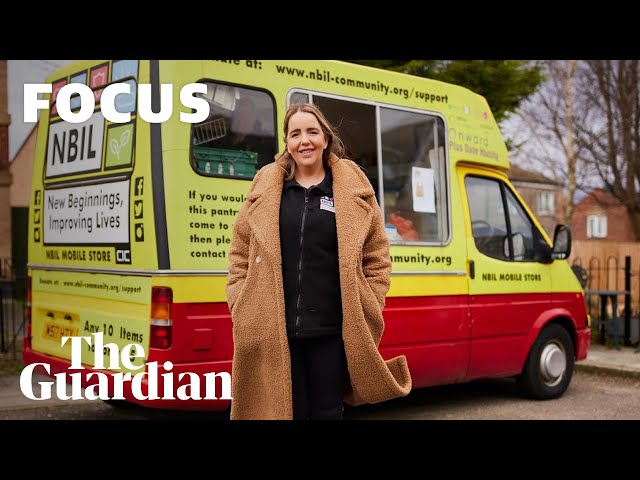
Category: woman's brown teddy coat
[261,372]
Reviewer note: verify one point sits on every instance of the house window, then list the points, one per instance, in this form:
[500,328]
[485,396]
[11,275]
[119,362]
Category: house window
[596,226]
[546,203]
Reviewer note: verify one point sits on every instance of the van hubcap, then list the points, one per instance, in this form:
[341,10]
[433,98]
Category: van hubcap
[553,363]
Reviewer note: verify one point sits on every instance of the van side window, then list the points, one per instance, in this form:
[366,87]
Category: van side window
[238,138]
[414,176]
[356,125]
[412,192]
[492,224]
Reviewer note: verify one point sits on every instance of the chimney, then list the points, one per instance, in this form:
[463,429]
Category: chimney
[5,118]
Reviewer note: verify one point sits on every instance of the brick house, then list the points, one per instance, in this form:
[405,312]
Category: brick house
[543,195]
[600,216]
[5,175]
[15,187]
[21,170]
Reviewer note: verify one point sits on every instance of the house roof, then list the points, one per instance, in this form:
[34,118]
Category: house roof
[518,174]
[600,197]
[31,132]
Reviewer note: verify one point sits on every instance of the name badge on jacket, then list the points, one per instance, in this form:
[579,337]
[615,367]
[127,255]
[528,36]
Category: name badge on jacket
[326,203]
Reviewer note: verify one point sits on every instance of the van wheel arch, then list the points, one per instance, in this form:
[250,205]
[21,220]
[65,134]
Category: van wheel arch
[549,366]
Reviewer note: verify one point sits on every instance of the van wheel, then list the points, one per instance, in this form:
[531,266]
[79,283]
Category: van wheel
[549,366]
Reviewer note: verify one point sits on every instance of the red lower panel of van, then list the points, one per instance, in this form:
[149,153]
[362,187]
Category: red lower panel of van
[449,339]
[434,333]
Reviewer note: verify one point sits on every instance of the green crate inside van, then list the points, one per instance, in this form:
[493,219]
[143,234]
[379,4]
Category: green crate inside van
[237,163]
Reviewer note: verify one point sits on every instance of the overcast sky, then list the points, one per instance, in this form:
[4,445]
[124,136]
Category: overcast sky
[20,72]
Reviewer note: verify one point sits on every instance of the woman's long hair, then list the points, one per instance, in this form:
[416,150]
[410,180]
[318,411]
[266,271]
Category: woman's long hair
[334,144]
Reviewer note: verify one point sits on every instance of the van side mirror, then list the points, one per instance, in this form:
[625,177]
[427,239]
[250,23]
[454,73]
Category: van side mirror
[561,243]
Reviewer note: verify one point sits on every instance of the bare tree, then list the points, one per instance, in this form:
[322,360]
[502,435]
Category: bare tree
[569,144]
[610,134]
[552,118]
[589,112]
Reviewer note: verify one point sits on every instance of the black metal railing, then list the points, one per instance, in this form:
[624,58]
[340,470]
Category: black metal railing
[606,283]
[13,306]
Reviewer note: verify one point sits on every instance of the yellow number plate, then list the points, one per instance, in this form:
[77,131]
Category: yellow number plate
[56,332]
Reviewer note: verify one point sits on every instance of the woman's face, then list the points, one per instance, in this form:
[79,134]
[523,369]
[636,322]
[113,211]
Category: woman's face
[305,140]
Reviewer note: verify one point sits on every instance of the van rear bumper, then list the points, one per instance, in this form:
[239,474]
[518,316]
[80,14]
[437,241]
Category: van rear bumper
[583,337]
[58,365]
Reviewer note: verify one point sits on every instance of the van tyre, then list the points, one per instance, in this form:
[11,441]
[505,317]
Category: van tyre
[549,366]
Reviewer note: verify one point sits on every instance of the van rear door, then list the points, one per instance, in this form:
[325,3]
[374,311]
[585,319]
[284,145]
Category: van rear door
[81,304]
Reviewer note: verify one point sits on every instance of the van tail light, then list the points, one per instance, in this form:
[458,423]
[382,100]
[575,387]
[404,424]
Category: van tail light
[29,309]
[161,323]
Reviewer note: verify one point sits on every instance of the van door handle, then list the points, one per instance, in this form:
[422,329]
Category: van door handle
[472,269]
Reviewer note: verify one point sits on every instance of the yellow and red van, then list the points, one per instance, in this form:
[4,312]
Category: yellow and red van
[130,223]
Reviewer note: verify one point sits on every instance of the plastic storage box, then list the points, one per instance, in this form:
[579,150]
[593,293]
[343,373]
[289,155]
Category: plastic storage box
[236,163]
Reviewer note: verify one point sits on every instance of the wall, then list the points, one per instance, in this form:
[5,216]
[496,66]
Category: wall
[5,176]
[21,170]
[604,262]
[5,215]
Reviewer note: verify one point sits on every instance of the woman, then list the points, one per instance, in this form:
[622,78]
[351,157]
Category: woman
[306,292]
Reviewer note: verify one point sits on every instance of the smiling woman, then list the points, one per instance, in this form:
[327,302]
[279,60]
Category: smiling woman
[332,249]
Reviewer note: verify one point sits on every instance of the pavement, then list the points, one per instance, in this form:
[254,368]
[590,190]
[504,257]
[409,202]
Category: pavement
[621,362]
[624,362]
[12,398]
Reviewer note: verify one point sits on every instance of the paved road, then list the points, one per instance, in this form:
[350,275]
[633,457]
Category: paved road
[591,396]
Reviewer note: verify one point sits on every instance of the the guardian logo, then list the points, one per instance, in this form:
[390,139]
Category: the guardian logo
[143,385]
